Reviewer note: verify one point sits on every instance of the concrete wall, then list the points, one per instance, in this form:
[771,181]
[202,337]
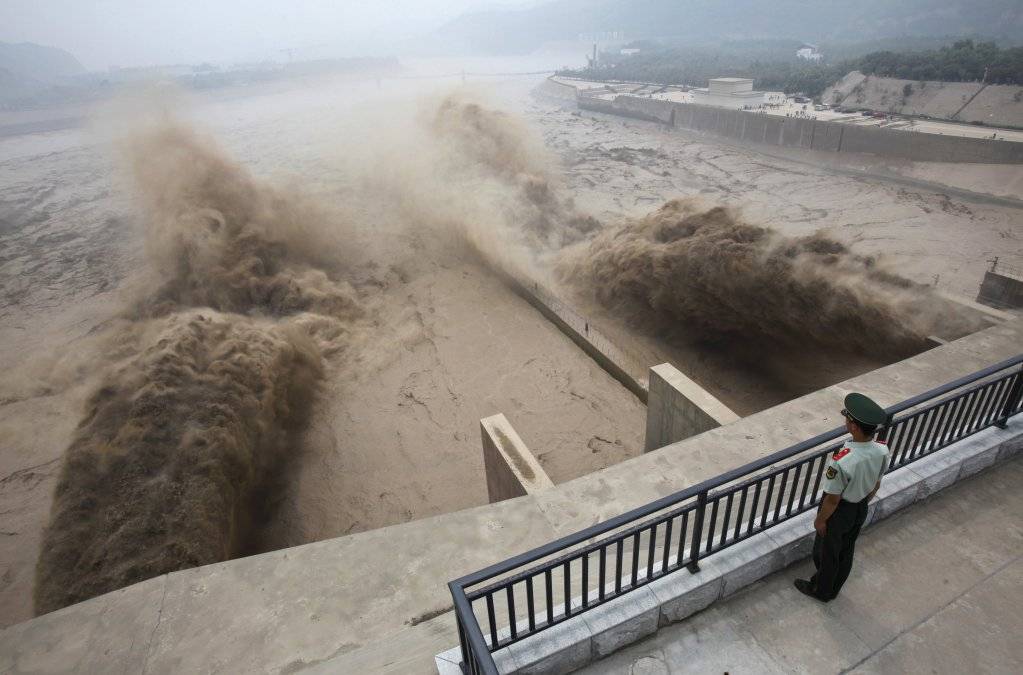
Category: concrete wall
[929,147]
[510,468]
[551,88]
[652,109]
[811,134]
[678,408]
[649,109]
[1001,291]
[599,347]
[595,104]
[841,137]
[377,601]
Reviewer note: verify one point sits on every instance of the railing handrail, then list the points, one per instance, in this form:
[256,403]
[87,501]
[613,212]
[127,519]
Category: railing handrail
[989,396]
[711,483]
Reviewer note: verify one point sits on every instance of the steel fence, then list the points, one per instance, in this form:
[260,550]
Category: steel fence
[529,593]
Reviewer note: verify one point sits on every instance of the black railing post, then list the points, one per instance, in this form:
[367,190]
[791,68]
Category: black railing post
[476,656]
[1011,401]
[462,643]
[882,433]
[694,552]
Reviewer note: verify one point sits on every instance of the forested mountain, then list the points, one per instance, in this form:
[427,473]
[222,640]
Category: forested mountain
[774,66]
[522,30]
[27,69]
[33,62]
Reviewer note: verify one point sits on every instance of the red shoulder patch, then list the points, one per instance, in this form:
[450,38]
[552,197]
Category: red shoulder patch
[839,454]
[882,442]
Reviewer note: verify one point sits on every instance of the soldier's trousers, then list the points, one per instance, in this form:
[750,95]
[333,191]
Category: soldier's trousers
[833,553]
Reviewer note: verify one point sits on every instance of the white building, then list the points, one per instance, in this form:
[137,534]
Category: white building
[809,53]
[732,92]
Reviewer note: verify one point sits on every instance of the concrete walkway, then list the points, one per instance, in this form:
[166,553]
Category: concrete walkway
[937,588]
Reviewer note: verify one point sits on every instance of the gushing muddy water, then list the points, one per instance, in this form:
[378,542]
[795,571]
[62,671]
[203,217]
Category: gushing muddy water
[231,318]
[352,361]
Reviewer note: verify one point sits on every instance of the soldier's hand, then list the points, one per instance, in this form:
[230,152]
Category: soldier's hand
[821,526]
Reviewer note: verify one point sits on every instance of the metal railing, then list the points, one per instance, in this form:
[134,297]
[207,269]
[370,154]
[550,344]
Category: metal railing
[529,593]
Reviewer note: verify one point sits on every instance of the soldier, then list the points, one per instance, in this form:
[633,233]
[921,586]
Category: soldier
[852,477]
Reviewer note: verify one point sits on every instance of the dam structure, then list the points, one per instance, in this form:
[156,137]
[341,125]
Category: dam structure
[629,485]
[378,601]
[838,134]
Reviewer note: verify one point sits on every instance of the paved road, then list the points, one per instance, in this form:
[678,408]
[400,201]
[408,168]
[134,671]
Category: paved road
[937,588]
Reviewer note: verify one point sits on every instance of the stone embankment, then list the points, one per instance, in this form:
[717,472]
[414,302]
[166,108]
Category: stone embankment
[991,104]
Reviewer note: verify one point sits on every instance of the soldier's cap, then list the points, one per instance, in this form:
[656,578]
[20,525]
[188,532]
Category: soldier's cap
[864,410]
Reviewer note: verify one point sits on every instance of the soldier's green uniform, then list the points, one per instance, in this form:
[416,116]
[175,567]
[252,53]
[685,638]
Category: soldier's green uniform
[851,472]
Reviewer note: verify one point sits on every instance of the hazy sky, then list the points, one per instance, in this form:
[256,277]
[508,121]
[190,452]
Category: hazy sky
[145,32]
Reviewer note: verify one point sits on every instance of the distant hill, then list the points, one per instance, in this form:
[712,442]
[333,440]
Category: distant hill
[35,63]
[523,30]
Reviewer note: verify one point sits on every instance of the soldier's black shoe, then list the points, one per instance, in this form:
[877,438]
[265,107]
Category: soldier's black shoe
[804,587]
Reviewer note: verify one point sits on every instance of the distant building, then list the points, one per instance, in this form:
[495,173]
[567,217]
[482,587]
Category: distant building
[602,36]
[809,53]
[630,51]
[732,92]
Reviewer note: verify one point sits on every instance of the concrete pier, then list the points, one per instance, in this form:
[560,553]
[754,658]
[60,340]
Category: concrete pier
[678,408]
[511,469]
[1001,290]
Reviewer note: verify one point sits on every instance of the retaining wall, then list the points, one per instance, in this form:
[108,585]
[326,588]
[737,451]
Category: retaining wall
[595,104]
[551,88]
[999,290]
[678,408]
[653,109]
[597,346]
[811,134]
